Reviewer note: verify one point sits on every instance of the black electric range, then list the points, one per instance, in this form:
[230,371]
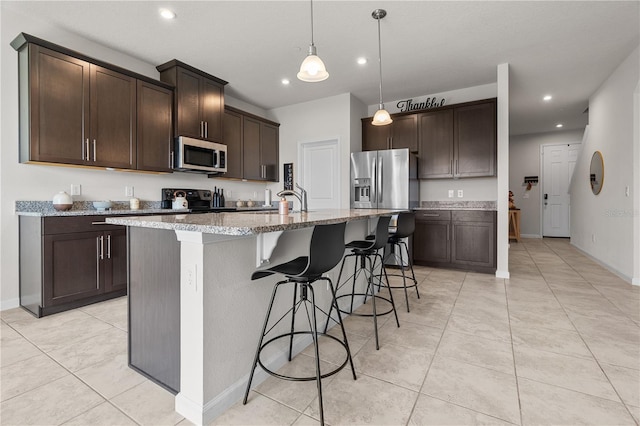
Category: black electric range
[199,200]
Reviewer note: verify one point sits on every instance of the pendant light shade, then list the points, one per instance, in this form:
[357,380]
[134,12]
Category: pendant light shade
[312,68]
[381,117]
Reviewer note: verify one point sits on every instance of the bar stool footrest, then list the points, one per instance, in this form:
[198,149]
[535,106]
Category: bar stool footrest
[308,378]
[367,295]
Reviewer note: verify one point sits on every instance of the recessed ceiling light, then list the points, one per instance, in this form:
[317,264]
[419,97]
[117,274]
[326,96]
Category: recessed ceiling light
[547,98]
[559,125]
[167,14]
[285,81]
[362,61]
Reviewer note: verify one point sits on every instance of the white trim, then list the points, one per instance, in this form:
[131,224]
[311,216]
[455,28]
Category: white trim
[604,265]
[541,183]
[337,172]
[502,274]
[530,235]
[9,304]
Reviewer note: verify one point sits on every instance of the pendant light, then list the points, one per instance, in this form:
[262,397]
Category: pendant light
[312,69]
[381,117]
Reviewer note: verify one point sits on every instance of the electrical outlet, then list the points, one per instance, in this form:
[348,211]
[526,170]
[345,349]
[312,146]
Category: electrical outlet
[626,191]
[76,189]
[451,193]
[128,191]
[526,195]
[460,193]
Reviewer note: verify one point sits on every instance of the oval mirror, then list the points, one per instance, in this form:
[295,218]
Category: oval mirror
[596,172]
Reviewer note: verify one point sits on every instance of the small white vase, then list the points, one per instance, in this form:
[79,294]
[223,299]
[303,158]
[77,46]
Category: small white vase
[62,201]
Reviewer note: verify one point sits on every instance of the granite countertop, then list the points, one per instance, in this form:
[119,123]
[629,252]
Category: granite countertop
[458,205]
[85,208]
[250,223]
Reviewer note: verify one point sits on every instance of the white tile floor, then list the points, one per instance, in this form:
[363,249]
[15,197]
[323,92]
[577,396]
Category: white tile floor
[558,343]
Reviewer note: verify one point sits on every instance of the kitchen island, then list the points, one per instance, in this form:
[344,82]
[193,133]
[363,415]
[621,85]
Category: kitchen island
[195,314]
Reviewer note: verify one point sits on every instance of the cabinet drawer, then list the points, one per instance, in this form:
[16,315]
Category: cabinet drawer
[71,224]
[473,216]
[433,215]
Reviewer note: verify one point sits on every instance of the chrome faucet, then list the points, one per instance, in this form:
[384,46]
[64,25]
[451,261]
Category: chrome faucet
[301,196]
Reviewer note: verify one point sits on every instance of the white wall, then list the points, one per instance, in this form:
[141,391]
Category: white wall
[524,160]
[336,117]
[37,182]
[608,218]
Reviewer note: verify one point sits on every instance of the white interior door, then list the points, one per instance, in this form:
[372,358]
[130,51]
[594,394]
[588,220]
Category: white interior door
[558,162]
[320,173]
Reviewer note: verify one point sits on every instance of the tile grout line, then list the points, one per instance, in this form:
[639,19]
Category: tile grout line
[581,337]
[435,352]
[105,399]
[513,352]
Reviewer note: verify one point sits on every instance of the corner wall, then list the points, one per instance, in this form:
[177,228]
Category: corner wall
[602,225]
[524,160]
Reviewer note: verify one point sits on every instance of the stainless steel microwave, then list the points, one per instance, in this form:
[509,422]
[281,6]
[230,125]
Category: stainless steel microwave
[200,156]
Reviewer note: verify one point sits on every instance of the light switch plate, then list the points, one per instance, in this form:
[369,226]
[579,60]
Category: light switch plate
[451,193]
[460,193]
[76,189]
[128,191]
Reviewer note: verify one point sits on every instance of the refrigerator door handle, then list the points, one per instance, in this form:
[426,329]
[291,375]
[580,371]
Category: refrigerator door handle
[380,180]
[374,178]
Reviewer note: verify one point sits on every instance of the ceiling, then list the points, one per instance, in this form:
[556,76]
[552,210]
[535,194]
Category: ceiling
[563,48]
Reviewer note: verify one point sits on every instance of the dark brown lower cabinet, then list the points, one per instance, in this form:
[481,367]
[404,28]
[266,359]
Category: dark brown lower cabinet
[461,239]
[66,262]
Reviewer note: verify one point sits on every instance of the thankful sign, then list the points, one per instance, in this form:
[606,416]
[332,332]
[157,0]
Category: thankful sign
[408,104]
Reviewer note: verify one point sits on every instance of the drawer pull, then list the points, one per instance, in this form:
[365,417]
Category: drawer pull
[100,223]
[431,214]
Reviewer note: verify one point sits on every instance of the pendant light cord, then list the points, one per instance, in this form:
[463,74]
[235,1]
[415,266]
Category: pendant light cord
[380,60]
[312,22]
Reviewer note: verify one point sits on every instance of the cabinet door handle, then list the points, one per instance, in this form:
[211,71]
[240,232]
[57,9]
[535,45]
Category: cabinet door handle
[94,150]
[108,246]
[100,246]
[430,215]
[206,129]
[87,150]
[83,150]
[171,160]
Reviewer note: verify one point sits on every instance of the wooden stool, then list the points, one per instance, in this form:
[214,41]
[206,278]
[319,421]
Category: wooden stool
[514,224]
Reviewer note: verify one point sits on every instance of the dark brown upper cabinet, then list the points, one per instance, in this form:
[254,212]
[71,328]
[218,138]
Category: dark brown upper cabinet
[252,146]
[458,141]
[475,140]
[401,133]
[232,138]
[155,128]
[199,101]
[81,111]
[436,144]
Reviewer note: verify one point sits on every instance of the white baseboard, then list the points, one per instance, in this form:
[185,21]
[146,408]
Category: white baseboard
[502,274]
[630,280]
[530,236]
[9,304]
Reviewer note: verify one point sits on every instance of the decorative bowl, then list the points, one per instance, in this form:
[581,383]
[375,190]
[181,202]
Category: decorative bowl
[102,205]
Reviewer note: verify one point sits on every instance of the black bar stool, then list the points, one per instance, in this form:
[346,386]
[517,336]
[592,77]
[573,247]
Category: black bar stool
[405,226]
[326,250]
[368,253]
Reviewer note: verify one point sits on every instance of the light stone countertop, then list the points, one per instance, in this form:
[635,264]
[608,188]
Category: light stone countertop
[249,223]
[458,205]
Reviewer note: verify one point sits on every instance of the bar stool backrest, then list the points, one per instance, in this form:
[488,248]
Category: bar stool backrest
[382,232]
[406,224]
[326,248]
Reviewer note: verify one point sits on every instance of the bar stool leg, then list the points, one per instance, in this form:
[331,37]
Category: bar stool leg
[373,301]
[413,274]
[264,329]
[344,333]
[386,277]
[293,319]
[314,335]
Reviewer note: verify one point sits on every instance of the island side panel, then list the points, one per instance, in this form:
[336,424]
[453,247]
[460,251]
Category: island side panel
[154,305]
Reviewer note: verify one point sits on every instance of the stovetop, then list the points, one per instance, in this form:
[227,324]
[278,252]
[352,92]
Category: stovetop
[199,200]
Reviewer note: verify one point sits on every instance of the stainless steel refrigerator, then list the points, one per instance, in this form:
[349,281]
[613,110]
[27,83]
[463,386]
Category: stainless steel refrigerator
[386,179]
